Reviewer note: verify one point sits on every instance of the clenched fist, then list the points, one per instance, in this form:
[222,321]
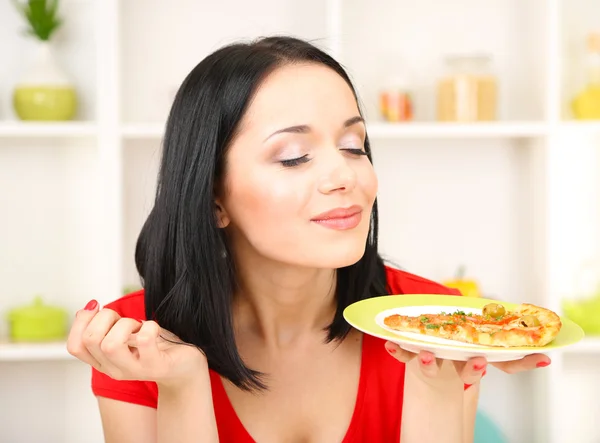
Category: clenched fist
[127,349]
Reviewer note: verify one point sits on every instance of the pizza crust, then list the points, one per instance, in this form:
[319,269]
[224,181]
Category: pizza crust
[511,334]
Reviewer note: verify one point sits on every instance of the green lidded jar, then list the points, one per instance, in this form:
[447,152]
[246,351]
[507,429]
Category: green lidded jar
[37,322]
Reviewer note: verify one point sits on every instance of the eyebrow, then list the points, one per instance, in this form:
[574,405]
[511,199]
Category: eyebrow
[305,129]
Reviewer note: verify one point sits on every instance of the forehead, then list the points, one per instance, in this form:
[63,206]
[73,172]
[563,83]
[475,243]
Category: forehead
[310,94]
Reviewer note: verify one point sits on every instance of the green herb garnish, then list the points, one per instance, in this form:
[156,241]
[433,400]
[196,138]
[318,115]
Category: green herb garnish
[432,326]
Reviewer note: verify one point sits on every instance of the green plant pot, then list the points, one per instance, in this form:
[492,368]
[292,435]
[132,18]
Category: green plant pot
[44,91]
[45,102]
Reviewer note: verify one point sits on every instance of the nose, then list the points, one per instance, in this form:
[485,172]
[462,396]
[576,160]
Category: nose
[338,175]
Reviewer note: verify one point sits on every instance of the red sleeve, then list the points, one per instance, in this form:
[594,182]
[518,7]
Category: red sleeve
[137,392]
[400,282]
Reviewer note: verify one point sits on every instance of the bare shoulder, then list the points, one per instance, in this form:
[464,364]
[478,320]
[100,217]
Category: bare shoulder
[124,422]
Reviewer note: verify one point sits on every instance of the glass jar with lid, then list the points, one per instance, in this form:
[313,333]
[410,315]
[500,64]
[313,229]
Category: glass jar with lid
[395,99]
[468,90]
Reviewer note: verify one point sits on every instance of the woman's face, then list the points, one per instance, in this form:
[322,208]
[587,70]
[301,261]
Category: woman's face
[298,156]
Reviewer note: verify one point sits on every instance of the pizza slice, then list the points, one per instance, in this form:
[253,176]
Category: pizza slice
[527,325]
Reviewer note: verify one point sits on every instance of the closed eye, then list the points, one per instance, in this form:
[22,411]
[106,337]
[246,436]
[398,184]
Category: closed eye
[295,161]
[355,151]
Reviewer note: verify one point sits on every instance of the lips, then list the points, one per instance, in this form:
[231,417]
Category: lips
[340,218]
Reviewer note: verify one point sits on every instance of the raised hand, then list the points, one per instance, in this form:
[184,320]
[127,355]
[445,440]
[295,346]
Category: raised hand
[127,349]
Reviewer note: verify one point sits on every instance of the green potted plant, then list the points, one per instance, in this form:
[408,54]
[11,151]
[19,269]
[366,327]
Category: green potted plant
[44,92]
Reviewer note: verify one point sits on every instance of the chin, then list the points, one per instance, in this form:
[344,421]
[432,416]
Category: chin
[335,257]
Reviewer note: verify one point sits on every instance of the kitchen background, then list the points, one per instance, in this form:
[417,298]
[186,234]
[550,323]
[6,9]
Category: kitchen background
[484,119]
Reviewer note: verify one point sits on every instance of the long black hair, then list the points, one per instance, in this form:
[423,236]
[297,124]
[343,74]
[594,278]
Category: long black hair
[182,255]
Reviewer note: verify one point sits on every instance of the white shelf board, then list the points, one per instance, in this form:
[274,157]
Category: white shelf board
[589,345]
[583,126]
[46,129]
[143,131]
[19,352]
[380,130]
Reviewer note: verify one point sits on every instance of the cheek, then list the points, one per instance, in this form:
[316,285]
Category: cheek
[257,201]
[367,181]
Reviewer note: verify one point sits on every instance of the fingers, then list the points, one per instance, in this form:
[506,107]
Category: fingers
[472,370]
[119,347]
[398,353]
[95,333]
[469,371]
[75,345]
[147,344]
[525,364]
[114,345]
[426,361]
[429,365]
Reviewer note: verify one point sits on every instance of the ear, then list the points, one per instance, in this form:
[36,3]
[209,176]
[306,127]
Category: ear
[221,214]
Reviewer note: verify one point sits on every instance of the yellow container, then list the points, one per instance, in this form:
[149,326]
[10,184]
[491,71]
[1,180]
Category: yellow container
[468,92]
[586,105]
[467,287]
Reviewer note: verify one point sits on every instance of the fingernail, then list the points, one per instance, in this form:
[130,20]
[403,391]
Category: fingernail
[484,372]
[543,364]
[91,305]
[426,360]
[391,350]
[478,367]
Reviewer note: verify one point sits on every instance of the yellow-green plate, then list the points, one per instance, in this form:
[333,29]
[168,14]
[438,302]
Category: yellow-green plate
[367,316]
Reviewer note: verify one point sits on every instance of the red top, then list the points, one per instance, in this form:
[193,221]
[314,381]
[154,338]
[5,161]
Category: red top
[378,407]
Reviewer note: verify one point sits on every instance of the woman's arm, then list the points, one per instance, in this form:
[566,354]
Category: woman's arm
[471,401]
[183,415]
[186,415]
[436,406]
[127,422]
[436,410]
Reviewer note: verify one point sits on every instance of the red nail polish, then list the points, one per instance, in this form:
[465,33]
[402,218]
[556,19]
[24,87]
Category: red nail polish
[91,305]
[543,364]
[484,372]
[426,361]
[479,367]
[391,350]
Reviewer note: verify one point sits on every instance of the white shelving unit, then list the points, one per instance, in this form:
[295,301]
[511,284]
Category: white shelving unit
[12,352]
[44,130]
[586,346]
[517,200]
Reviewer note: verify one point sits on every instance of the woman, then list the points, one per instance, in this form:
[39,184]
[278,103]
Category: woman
[264,229]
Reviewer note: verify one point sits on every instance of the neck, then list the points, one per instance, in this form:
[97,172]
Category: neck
[282,305]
